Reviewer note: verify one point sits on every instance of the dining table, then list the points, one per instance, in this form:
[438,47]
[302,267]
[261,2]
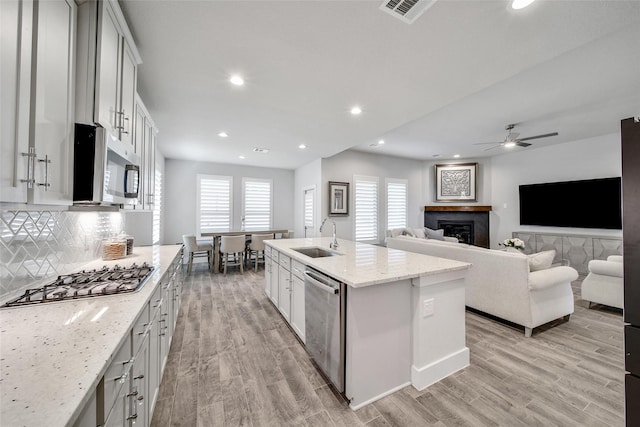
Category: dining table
[217,235]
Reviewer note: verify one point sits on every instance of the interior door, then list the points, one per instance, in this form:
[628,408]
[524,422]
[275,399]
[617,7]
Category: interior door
[309,212]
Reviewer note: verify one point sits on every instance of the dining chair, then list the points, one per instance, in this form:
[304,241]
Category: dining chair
[235,246]
[256,247]
[194,250]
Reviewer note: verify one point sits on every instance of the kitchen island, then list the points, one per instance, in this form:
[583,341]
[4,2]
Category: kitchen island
[405,312]
[56,356]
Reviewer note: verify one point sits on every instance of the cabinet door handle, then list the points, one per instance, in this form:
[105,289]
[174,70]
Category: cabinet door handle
[31,155]
[139,377]
[132,417]
[46,162]
[133,393]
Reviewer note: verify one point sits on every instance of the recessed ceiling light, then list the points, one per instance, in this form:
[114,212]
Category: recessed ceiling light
[241,157]
[261,150]
[521,4]
[236,80]
[509,144]
[456,156]
[223,135]
[302,146]
[355,110]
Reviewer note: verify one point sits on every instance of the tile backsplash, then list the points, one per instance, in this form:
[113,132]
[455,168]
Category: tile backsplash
[41,244]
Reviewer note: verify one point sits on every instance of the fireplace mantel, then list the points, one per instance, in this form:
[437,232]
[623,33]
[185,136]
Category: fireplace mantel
[457,208]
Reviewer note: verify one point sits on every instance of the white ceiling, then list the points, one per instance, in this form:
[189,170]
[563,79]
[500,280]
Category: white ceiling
[454,77]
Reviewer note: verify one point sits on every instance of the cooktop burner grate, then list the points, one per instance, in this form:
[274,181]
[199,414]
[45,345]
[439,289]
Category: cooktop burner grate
[84,284]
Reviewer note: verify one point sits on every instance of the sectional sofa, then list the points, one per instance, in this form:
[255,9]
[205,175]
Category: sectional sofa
[501,284]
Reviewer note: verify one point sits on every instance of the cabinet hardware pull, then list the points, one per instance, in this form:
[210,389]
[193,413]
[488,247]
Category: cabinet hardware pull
[132,417]
[46,162]
[133,393]
[30,167]
[140,399]
[139,377]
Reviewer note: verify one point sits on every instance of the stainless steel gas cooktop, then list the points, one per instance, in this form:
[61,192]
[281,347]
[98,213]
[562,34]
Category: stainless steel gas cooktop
[84,284]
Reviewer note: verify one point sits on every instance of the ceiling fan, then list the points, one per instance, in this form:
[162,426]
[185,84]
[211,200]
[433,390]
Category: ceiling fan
[512,139]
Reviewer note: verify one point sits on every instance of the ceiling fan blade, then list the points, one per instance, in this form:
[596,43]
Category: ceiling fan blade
[539,136]
[488,143]
[522,144]
[491,148]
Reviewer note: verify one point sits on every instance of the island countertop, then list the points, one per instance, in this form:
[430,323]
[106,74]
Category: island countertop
[54,354]
[361,264]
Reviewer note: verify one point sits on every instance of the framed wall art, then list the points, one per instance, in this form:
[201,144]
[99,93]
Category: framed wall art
[456,182]
[338,198]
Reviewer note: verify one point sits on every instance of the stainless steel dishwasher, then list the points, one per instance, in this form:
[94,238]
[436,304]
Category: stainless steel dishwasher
[325,308]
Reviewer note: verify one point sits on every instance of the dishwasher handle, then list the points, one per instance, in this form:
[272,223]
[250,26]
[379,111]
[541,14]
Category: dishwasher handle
[322,286]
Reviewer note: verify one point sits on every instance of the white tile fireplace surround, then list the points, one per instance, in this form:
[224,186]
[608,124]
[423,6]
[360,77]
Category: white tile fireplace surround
[40,244]
[470,224]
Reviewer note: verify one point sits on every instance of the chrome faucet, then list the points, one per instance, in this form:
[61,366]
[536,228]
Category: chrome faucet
[333,245]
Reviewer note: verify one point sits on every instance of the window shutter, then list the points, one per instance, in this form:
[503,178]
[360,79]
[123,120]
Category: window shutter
[308,208]
[396,203]
[366,208]
[257,204]
[214,200]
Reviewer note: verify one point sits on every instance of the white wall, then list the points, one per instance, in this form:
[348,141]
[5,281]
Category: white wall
[343,166]
[181,188]
[307,176]
[598,157]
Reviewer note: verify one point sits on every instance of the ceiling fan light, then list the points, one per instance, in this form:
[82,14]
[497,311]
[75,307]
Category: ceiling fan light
[509,144]
[521,4]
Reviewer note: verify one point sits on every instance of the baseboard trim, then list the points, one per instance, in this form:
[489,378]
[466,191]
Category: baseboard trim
[380,396]
[425,376]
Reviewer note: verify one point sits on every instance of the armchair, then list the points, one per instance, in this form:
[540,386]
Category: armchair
[605,282]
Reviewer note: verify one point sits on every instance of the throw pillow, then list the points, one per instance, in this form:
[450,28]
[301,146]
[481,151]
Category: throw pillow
[395,232]
[419,232]
[408,232]
[541,260]
[434,234]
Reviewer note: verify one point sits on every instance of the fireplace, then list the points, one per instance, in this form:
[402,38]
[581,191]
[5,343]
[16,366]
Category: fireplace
[470,224]
[461,230]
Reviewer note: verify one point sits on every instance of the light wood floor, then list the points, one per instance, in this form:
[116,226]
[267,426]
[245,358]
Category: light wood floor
[233,361]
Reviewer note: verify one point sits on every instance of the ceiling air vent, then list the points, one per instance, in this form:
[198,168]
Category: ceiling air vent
[406,10]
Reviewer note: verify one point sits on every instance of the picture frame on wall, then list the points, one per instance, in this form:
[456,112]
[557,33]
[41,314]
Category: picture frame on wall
[456,182]
[338,198]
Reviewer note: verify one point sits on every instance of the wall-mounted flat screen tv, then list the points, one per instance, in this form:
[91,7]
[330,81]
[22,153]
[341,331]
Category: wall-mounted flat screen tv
[591,203]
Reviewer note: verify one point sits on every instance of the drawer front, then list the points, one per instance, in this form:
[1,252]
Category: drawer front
[116,375]
[275,255]
[285,261]
[267,250]
[139,328]
[297,268]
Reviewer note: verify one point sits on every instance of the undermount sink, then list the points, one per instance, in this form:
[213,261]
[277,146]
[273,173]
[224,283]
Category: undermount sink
[315,252]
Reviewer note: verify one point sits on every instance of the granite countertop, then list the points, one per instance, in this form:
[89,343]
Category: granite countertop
[362,264]
[54,354]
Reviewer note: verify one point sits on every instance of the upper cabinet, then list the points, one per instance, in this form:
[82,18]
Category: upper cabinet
[107,71]
[36,127]
[144,143]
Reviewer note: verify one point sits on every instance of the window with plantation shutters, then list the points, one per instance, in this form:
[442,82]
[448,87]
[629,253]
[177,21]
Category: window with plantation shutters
[214,203]
[257,206]
[309,196]
[366,208]
[396,203]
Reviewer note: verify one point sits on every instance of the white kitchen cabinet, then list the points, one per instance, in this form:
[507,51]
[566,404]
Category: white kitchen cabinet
[297,298]
[284,287]
[275,277]
[139,387]
[107,69]
[115,74]
[267,271]
[38,65]
[15,71]
[144,142]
